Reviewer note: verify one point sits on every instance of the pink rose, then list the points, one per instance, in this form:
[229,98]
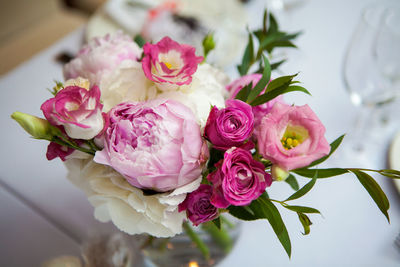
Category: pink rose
[156,145]
[198,206]
[78,110]
[238,180]
[292,136]
[169,64]
[102,55]
[260,110]
[229,126]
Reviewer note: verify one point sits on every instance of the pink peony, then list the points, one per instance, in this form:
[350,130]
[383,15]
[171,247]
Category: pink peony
[292,136]
[198,206]
[238,180]
[77,109]
[260,110]
[102,55]
[229,126]
[156,144]
[169,64]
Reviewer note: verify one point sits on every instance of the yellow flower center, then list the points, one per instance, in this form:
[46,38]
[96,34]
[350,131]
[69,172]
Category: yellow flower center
[169,65]
[293,136]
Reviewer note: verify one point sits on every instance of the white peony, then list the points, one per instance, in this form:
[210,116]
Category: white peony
[206,90]
[127,82]
[126,206]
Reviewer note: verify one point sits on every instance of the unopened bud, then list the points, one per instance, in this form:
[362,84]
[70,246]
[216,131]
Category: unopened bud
[208,43]
[37,127]
[279,174]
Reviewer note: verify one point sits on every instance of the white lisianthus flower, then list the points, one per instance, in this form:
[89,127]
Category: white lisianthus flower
[207,89]
[114,199]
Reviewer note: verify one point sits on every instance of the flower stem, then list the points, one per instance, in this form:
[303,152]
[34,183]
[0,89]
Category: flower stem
[197,240]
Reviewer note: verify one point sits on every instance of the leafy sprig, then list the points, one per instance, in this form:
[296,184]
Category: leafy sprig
[269,37]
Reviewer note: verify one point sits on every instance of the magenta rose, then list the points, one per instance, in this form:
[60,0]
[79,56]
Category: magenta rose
[292,136]
[169,64]
[198,206]
[238,180]
[229,126]
[260,110]
[77,109]
[102,55]
[156,144]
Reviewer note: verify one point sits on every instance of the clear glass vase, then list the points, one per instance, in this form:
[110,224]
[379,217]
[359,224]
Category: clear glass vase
[182,251]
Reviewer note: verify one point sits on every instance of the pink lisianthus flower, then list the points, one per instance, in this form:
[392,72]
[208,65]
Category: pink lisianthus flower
[238,180]
[55,150]
[292,136]
[102,55]
[169,64]
[260,110]
[198,206]
[155,145]
[229,126]
[77,109]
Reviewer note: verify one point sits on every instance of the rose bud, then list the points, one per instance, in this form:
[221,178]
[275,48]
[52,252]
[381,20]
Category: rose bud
[238,180]
[229,126]
[198,206]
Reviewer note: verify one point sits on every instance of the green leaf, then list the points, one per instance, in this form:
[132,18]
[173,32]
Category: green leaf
[279,43]
[278,82]
[305,221]
[374,190]
[322,173]
[265,18]
[262,83]
[304,190]
[217,222]
[244,92]
[273,25]
[276,65]
[334,145]
[248,57]
[264,208]
[268,96]
[208,44]
[390,173]
[242,213]
[302,209]
[139,40]
[291,180]
[197,240]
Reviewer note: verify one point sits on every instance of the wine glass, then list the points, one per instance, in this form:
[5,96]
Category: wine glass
[371,73]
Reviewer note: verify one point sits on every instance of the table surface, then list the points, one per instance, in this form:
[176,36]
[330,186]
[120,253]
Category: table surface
[40,206]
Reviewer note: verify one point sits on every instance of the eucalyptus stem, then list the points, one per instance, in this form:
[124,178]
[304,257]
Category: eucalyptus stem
[197,240]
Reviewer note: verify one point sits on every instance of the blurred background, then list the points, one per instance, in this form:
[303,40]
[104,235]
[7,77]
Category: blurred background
[26,26]
[352,232]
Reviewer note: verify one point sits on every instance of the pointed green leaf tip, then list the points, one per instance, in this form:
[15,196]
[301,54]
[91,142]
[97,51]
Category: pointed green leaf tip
[37,127]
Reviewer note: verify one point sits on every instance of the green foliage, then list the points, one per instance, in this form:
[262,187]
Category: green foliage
[291,180]
[139,40]
[305,221]
[304,190]
[269,37]
[374,190]
[208,44]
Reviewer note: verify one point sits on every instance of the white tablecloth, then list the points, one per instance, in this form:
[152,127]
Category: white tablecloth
[54,216]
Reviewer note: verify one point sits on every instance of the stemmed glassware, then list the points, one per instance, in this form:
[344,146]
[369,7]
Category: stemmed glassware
[371,73]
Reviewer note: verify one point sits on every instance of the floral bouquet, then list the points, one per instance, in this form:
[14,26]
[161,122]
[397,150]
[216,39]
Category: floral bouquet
[156,137]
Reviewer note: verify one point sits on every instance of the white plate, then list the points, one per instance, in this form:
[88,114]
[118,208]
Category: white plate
[394,157]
